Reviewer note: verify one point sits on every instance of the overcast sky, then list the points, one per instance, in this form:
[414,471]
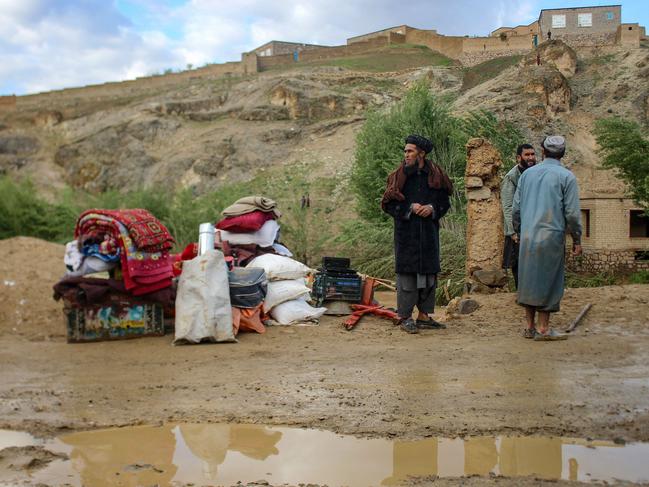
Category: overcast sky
[50,44]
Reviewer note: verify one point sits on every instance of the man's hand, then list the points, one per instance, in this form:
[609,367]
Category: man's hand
[424,211]
[576,250]
[415,207]
[515,237]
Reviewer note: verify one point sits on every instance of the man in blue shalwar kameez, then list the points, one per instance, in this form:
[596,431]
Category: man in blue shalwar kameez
[546,205]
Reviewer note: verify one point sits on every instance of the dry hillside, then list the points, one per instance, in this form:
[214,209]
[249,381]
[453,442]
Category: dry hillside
[205,132]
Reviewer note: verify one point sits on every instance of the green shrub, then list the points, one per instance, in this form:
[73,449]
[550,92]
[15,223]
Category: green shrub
[623,146]
[639,277]
[379,148]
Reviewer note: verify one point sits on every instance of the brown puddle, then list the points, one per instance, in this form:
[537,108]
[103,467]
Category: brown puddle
[225,454]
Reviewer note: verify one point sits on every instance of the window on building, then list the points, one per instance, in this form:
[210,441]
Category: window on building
[585,223]
[638,224]
[558,21]
[585,20]
[610,15]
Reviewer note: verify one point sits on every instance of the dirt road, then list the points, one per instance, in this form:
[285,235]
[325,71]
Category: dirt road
[478,377]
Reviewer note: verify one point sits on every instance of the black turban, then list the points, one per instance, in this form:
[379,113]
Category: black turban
[422,142]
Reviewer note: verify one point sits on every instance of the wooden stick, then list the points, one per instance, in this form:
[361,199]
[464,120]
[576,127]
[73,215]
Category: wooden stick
[381,283]
[579,317]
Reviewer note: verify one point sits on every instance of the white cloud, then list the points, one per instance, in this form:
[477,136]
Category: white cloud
[48,45]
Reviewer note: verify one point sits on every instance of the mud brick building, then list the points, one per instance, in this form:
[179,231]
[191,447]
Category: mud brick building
[584,26]
[615,235]
[276,48]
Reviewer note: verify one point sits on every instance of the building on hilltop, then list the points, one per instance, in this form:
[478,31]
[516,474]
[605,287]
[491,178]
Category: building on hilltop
[276,48]
[401,30]
[520,30]
[581,26]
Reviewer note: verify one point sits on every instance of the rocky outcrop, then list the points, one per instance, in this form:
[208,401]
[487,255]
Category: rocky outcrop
[116,157]
[550,90]
[556,54]
[303,101]
[48,118]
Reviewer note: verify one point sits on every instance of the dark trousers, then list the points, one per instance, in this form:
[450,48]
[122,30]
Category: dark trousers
[409,296]
[510,258]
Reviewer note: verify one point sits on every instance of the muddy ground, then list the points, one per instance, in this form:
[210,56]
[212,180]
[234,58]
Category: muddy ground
[477,377]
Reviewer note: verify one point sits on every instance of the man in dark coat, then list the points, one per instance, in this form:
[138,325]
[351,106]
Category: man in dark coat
[417,196]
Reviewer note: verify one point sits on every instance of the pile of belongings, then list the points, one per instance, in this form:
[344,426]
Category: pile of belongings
[248,236]
[248,228]
[119,279]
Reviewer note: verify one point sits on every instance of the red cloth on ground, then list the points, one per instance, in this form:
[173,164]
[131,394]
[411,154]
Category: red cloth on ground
[249,222]
[147,232]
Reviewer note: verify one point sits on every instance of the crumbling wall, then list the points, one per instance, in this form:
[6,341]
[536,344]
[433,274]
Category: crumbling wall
[484,233]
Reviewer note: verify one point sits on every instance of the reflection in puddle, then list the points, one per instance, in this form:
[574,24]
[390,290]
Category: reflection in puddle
[225,454]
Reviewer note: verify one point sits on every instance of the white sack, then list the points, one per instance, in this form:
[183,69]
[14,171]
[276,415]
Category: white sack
[203,309]
[295,310]
[282,291]
[278,267]
[264,237]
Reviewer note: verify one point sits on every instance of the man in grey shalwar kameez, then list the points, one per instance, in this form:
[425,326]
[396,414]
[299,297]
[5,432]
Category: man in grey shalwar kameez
[546,205]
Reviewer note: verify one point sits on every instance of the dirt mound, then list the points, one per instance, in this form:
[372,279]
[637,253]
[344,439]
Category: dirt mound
[27,273]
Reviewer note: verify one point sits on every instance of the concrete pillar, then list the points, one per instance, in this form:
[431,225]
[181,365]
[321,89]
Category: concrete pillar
[484,233]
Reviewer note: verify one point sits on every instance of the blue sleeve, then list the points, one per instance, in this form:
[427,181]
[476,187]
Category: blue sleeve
[572,209]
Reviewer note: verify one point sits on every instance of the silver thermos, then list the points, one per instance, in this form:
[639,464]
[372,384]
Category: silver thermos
[206,232]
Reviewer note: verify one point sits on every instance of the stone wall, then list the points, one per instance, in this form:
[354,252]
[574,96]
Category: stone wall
[473,58]
[602,260]
[587,40]
[482,44]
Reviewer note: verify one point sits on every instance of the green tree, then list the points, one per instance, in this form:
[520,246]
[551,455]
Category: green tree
[624,147]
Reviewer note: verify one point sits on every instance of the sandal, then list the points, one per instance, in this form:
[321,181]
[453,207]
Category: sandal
[530,332]
[429,324]
[549,336]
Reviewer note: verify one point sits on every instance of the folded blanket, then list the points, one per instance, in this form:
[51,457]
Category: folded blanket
[143,270]
[250,222]
[147,231]
[248,204]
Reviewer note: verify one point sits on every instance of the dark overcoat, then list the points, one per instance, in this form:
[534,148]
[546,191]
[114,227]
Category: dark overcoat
[416,239]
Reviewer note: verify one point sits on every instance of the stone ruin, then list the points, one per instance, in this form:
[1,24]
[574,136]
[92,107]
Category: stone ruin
[484,231]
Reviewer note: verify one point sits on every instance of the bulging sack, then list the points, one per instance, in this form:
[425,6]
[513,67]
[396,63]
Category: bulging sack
[278,267]
[203,310]
[282,291]
[295,311]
